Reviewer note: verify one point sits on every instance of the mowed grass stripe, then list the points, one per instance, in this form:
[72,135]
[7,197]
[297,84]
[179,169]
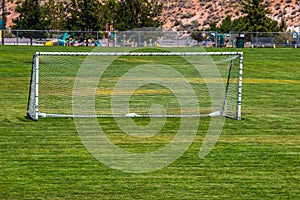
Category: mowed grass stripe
[272,81]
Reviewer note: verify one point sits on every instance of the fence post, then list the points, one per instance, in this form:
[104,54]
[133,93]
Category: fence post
[2,35]
[17,37]
[3,22]
[216,39]
[177,38]
[139,38]
[256,38]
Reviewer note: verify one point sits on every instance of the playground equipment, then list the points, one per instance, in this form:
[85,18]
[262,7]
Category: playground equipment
[68,40]
[83,39]
[222,39]
[63,40]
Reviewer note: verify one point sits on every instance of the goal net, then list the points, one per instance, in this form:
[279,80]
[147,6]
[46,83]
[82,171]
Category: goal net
[135,84]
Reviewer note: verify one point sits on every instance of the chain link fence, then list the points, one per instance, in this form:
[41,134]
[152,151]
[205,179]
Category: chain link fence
[269,39]
[150,38]
[97,38]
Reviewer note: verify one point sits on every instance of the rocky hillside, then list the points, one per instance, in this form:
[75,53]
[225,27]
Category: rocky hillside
[179,14]
[200,13]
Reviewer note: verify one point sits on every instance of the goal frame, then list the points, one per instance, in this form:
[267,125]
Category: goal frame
[33,109]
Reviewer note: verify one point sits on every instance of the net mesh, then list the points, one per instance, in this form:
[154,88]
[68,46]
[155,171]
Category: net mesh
[136,85]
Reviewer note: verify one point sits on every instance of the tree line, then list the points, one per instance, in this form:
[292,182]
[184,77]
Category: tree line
[87,15]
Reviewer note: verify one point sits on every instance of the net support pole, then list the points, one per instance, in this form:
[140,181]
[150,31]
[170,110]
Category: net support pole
[226,88]
[36,94]
[239,110]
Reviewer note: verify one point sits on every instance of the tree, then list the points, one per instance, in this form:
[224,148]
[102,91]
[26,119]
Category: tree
[238,24]
[55,14]
[85,15]
[110,11]
[226,25]
[213,26]
[29,19]
[4,13]
[255,17]
[283,25]
[133,14]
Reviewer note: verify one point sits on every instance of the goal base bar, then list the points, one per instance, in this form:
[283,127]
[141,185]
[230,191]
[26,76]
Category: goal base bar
[44,115]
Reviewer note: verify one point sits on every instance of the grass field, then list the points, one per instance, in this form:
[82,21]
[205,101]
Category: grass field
[256,158]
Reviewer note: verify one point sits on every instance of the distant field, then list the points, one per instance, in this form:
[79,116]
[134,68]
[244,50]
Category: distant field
[256,158]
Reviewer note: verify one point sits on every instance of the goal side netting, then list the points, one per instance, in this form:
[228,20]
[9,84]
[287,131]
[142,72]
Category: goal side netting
[135,84]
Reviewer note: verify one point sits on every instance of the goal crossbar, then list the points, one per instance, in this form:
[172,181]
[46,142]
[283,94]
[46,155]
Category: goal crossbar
[137,53]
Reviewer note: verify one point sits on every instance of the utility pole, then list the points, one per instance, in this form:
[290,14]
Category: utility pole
[3,23]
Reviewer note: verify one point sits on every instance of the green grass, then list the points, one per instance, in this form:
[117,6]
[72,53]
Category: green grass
[256,158]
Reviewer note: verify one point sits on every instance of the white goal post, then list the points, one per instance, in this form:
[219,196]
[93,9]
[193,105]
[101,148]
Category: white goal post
[136,84]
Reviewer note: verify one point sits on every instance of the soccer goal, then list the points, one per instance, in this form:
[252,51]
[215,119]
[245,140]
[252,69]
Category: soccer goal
[135,84]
